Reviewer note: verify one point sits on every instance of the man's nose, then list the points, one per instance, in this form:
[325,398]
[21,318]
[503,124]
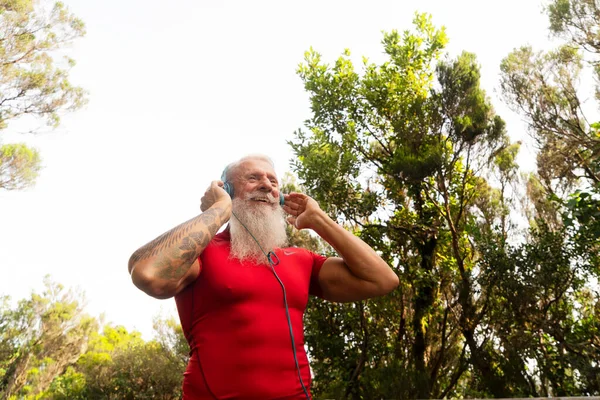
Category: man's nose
[265,185]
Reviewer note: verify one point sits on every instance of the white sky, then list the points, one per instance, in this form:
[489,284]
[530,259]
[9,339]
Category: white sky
[177,90]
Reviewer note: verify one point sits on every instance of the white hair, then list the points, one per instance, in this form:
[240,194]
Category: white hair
[229,169]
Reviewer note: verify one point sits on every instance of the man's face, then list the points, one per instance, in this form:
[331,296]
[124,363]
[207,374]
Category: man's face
[256,206]
[256,181]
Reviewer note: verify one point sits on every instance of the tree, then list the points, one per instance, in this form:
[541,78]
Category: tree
[121,365]
[560,264]
[577,22]
[545,316]
[40,338]
[51,349]
[394,153]
[543,88]
[32,82]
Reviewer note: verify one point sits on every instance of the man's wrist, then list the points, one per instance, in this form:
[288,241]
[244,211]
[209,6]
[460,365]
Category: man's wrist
[320,222]
[223,206]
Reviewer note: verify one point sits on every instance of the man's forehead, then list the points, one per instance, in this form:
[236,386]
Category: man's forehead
[256,164]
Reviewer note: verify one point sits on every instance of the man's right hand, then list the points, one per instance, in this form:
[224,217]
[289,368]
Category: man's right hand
[167,264]
[214,194]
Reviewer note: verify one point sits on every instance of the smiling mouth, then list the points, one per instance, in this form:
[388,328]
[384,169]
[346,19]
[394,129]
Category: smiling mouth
[261,200]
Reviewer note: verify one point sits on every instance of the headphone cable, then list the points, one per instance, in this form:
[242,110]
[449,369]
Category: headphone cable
[270,256]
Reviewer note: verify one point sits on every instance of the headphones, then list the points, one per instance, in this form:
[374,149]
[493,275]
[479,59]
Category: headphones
[228,187]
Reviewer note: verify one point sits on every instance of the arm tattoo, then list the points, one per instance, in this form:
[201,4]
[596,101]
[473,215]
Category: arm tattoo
[177,249]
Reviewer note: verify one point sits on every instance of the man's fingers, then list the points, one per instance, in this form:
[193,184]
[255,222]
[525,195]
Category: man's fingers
[294,201]
[293,206]
[293,210]
[214,193]
[299,197]
[289,210]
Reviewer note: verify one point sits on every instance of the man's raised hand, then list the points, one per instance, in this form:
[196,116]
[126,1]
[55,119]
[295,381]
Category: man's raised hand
[214,194]
[303,210]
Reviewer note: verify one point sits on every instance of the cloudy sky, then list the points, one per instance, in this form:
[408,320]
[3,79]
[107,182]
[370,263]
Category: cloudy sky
[179,89]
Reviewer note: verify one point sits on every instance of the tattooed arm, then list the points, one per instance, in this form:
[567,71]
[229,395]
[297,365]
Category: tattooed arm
[166,265]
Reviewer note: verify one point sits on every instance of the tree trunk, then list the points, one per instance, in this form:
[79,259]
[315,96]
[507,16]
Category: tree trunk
[16,379]
[424,299]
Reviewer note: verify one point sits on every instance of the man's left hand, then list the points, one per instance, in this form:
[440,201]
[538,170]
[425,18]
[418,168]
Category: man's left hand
[304,211]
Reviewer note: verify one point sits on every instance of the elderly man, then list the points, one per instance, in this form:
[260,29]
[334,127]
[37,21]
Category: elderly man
[241,293]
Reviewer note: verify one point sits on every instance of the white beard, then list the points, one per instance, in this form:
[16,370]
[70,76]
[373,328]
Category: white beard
[266,222]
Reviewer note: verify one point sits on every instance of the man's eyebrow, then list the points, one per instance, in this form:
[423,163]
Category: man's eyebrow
[269,174]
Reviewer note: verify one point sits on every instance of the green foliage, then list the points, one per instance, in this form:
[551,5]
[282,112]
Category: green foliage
[577,21]
[543,205]
[71,385]
[390,152]
[557,270]
[41,337]
[544,315]
[32,82]
[121,365]
[19,166]
[50,349]
[543,87]
[582,220]
[303,238]
[400,153]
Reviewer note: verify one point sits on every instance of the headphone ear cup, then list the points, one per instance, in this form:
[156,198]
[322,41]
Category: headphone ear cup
[228,188]
[281,199]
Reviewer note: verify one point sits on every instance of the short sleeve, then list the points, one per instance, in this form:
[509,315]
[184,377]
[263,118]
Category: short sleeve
[317,263]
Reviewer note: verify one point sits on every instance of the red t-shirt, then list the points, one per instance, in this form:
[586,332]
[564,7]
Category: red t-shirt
[234,318]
